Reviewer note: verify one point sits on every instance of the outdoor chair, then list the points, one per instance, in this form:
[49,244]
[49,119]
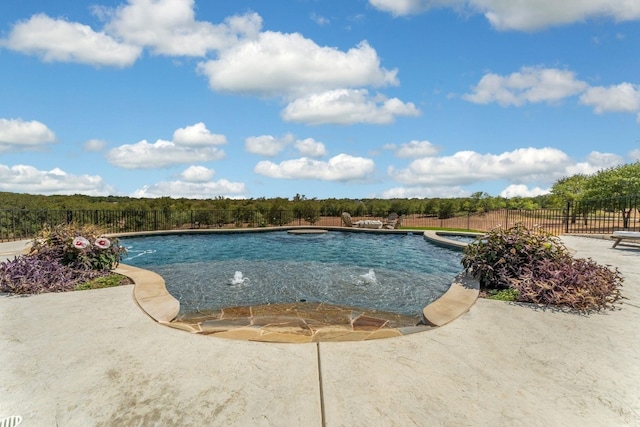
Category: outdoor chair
[346,219]
[393,221]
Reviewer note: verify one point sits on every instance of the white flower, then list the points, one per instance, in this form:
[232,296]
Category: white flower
[102,242]
[80,243]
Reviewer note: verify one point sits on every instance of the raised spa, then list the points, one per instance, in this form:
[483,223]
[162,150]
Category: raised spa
[399,273]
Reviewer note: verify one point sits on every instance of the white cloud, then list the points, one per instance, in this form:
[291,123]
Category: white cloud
[16,134]
[267,145]
[277,64]
[319,19]
[193,190]
[145,155]
[537,14]
[529,85]
[468,167]
[194,144]
[246,60]
[57,40]
[424,192]
[521,190]
[624,98]
[529,172]
[309,147]
[604,160]
[197,135]
[634,155]
[27,179]
[594,162]
[347,106]
[94,145]
[339,168]
[522,15]
[197,174]
[411,7]
[416,149]
[169,27]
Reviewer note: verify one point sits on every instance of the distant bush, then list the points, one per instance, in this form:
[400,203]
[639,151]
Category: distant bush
[540,269]
[61,258]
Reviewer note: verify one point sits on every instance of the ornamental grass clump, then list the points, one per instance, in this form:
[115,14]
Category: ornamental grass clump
[61,258]
[540,269]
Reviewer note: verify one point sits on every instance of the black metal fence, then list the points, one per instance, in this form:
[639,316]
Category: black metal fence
[587,217]
[603,215]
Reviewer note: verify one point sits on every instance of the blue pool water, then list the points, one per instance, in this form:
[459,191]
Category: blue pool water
[399,273]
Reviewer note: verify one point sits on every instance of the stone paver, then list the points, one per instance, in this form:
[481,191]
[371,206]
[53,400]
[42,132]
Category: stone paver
[300,322]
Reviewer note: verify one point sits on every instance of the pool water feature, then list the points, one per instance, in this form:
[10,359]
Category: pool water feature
[464,238]
[398,273]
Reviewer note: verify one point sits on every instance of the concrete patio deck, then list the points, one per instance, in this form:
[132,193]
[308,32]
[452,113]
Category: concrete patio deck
[93,358]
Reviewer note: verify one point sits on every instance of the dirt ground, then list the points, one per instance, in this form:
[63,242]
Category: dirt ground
[476,222]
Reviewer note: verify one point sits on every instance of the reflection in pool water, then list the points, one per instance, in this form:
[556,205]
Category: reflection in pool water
[399,273]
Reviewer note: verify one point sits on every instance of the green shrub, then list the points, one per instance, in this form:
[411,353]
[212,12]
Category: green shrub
[540,268]
[108,281]
[503,294]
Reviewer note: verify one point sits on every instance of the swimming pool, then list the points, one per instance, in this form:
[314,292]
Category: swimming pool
[399,273]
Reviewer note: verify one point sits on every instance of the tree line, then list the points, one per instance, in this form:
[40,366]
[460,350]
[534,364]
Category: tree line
[299,204]
[614,182]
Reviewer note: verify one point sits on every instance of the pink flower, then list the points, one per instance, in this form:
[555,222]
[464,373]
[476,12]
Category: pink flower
[102,243]
[80,243]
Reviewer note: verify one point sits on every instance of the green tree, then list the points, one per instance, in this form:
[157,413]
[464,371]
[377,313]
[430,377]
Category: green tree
[480,202]
[525,203]
[616,184]
[446,208]
[570,188]
[280,212]
[569,191]
[430,207]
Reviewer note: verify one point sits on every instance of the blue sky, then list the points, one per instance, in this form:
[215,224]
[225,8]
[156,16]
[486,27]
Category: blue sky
[344,99]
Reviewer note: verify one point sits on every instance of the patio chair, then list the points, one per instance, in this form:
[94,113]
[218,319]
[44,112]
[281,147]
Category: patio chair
[393,221]
[390,223]
[346,219]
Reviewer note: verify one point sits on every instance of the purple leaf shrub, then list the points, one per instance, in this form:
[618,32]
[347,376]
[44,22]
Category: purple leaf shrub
[61,258]
[541,269]
[34,274]
[581,284]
